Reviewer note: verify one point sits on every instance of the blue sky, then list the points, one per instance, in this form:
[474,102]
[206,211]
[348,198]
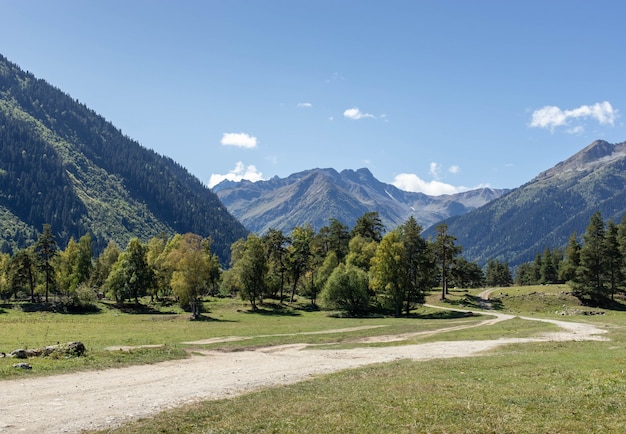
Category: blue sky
[433,96]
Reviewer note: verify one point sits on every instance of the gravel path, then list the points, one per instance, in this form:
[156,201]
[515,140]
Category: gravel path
[104,399]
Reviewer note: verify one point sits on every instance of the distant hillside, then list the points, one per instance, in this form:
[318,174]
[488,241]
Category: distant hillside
[63,164]
[314,196]
[545,211]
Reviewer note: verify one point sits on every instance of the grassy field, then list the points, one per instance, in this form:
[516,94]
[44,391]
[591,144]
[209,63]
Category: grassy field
[23,326]
[557,387]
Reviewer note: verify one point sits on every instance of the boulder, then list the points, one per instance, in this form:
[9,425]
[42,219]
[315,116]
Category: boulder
[22,366]
[70,349]
[19,354]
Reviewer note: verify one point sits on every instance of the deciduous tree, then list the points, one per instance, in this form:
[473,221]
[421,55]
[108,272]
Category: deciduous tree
[249,268]
[346,289]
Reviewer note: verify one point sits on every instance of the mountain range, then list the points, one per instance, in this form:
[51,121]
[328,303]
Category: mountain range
[314,196]
[62,164]
[545,211]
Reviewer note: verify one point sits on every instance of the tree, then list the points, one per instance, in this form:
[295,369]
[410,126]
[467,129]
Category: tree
[46,249]
[191,260]
[298,255]
[156,257]
[346,289]
[465,274]
[74,264]
[104,264]
[249,268]
[445,252]
[276,250]
[335,237]
[5,287]
[498,273]
[525,274]
[389,277]
[551,263]
[621,240]
[22,271]
[369,226]
[65,265]
[572,259]
[131,277]
[592,273]
[614,259]
[418,262]
[361,251]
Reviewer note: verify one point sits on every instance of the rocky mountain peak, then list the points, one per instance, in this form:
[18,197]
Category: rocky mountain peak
[597,153]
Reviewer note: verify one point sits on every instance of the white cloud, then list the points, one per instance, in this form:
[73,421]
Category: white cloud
[435,170]
[241,171]
[454,169]
[304,105]
[551,116]
[240,140]
[412,182]
[356,114]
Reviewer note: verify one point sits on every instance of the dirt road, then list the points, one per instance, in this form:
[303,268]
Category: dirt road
[97,400]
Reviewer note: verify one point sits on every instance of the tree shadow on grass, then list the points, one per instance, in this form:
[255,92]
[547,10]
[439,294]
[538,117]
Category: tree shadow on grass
[444,314]
[57,307]
[273,309]
[475,302]
[139,308]
[605,303]
[207,318]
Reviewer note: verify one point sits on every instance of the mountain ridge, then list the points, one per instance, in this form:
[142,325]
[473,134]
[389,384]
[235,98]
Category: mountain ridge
[545,211]
[65,165]
[316,195]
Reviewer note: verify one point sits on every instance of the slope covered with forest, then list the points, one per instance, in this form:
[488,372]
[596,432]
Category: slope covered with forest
[65,165]
[547,210]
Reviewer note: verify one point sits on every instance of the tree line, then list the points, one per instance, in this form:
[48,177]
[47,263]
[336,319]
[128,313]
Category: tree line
[356,270]
[593,265]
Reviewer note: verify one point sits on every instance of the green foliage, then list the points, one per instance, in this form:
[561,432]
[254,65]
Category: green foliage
[45,250]
[190,259]
[498,274]
[465,274]
[599,273]
[130,276]
[249,269]
[445,250]
[369,226]
[346,289]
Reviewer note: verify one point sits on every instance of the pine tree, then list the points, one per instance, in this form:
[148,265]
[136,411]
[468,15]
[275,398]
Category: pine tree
[591,281]
[46,249]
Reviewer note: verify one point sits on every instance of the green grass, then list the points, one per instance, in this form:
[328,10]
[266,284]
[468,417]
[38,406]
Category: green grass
[21,327]
[570,387]
[551,387]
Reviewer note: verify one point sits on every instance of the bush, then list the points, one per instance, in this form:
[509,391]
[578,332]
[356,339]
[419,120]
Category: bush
[346,289]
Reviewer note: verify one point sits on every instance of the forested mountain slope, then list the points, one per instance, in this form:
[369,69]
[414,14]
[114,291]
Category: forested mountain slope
[63,164]
[314,196]
[547,210]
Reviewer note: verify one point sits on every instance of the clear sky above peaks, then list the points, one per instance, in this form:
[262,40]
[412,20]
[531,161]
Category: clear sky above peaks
[432,96]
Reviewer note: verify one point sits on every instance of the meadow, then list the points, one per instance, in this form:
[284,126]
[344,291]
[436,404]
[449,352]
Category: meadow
[540,387]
